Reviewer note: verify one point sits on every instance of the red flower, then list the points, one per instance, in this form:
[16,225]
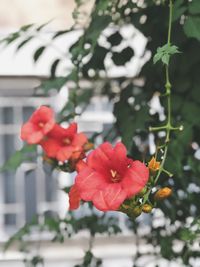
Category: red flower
[74,198]
[64,143]
[110,177]
[40,123]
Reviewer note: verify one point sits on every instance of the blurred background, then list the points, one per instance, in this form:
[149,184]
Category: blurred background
[30,190]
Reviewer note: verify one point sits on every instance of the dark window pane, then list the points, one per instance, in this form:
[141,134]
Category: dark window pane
[8,146]
[50,187]
[7,115]
[9,187]
[30,195]
[27,112]
[10,219]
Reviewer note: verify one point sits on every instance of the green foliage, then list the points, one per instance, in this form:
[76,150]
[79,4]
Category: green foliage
[89,260]
[191,27]
[163,53]
[38,53]
[24,154]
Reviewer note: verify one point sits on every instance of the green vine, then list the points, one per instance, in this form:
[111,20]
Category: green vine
[168,126]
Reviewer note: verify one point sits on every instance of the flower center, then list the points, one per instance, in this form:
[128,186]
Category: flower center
[41,124]
[66,141]
[115,177]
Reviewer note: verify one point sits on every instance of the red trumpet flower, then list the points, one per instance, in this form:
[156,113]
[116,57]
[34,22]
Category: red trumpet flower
[40,123]
[110,177]
[64,143]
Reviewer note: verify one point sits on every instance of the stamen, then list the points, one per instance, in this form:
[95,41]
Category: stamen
[66,141]
[115,177]
[113,173]
[41,124]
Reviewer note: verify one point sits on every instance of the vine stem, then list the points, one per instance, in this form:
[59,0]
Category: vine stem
[168,127]
[168,95]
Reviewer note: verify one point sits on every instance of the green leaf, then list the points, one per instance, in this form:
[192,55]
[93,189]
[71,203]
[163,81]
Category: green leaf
[43,25]
[11,38]
[192,26]
[187,235]
[157,57]
[26,27]
[18,158]
[59,33]
[164,53]
[38,53]
[54,67]
[165,59]
[24,42]
[56,83]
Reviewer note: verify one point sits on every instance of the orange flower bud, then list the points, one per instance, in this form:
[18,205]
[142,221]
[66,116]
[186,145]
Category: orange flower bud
[147,208]
[162,193]
[153,165]
[88,146]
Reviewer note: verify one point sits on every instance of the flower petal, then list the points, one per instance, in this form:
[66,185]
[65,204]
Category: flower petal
[80,165]
[89,182]
[110,198]
[74,198]
[135,178]
[48,126]
[71,130]
[99,160]
[64,153]
[141,169]
[119,160]
[31,133]
[79,139]
[51,147]
[43,114]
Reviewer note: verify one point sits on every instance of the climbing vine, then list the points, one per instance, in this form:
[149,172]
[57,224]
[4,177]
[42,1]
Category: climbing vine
[174,167]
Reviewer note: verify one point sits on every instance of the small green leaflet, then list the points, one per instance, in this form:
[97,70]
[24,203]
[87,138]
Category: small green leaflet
[163,53]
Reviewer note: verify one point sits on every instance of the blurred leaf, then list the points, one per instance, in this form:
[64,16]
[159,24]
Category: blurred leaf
[43,25]
[56,83]
[59,33]
[194,7]
[191,27]
[178,9]
[38,53]
[18,158]
[24,42]
[54,67]
[26,27]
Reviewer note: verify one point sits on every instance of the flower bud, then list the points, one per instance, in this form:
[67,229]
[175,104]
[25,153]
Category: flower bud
[137,211]
[153,165]
[142,192]
[88,146]
[147,208]
[163,193]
